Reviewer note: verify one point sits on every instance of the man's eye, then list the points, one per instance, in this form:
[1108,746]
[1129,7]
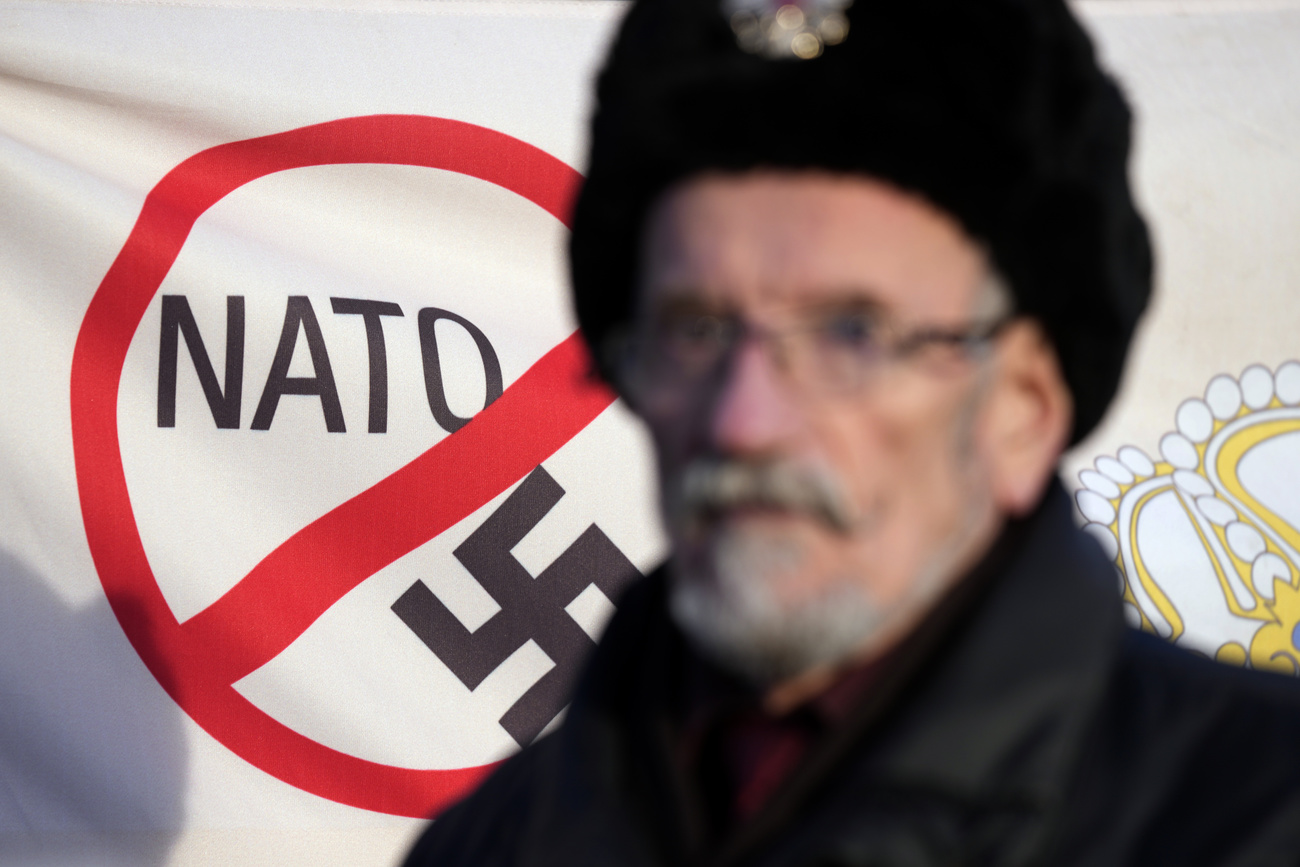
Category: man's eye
[691,330]
[857,331]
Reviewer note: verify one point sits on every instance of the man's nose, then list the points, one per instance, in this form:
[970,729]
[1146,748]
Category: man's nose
[753,411]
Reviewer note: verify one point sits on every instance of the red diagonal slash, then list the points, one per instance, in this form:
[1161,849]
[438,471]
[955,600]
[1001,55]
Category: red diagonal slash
[198,661]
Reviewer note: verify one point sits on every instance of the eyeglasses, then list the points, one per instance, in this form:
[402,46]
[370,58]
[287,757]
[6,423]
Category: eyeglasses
[835,352]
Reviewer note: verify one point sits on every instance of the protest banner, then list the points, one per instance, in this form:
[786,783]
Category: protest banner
[310,508]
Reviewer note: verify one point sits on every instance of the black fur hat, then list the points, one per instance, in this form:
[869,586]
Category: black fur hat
[994,110]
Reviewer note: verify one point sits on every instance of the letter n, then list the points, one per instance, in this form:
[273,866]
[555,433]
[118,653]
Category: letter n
[178,319]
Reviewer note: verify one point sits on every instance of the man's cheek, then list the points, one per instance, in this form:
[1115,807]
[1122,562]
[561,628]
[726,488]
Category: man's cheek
[673,452]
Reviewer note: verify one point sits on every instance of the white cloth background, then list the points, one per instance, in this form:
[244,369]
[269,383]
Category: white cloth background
[100,100]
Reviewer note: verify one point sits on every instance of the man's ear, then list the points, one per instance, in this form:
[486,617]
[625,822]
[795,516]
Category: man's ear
[1027,417]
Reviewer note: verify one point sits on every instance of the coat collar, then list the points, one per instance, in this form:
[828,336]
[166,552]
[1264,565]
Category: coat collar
[1001,712]
[994,715]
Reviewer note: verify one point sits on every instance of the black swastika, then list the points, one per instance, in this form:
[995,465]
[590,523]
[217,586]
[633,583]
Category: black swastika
[531,608]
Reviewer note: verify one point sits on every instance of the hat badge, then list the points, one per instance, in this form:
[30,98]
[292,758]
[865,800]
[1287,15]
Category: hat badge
[787,29]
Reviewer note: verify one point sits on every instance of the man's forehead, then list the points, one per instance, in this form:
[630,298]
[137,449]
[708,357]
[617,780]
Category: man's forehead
[806,238]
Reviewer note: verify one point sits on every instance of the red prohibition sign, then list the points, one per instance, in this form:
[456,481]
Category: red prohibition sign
[198,661]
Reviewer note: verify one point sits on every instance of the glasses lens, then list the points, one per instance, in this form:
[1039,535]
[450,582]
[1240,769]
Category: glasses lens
[841,350]
[688,347]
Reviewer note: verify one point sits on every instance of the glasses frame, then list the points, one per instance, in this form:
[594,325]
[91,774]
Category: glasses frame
[628,349]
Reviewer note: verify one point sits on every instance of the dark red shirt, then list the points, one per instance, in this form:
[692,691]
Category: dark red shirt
[739,753]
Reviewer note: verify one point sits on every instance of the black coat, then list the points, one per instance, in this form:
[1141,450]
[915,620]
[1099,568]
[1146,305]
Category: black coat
[1039,730]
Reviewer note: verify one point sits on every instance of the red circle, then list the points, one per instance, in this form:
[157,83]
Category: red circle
[198,661]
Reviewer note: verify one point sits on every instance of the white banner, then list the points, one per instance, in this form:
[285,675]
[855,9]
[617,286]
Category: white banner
[1193,482]
[267,594]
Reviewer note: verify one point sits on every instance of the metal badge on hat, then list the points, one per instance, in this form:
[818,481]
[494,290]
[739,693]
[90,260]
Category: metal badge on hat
[788,29]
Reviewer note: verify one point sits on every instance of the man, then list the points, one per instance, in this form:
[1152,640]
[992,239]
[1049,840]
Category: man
[865,272]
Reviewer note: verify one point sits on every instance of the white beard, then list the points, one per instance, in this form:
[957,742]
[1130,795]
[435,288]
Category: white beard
[735,614]
[730,602]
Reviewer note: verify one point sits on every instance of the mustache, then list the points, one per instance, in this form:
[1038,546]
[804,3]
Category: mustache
[710,487]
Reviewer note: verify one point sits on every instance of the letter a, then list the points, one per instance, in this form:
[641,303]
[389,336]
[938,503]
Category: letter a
[298,312]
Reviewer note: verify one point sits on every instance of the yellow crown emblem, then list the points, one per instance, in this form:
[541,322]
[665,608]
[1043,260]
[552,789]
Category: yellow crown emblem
[1207,539]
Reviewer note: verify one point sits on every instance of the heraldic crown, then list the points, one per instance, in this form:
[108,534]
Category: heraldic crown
[1206,539]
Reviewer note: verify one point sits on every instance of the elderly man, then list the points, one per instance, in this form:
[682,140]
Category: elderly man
[865,272]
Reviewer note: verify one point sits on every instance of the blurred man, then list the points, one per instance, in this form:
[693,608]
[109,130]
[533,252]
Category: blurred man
[865,272]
